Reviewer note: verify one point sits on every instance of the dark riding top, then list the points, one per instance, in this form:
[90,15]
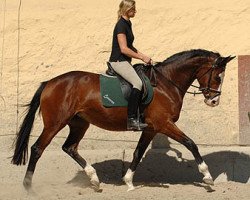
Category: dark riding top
[122,26]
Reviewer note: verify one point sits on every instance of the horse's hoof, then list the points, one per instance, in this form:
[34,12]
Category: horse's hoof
[97,189]
[130,188]
[208,180]
[27,184]
[96,185]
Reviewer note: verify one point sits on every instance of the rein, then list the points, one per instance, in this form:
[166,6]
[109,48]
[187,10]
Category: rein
[153,80]
[194,93]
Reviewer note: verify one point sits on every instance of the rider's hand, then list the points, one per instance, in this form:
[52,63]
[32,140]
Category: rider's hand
[151,62]
[146,59]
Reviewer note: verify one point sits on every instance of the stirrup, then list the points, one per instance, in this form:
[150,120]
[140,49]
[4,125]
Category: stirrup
[135,125]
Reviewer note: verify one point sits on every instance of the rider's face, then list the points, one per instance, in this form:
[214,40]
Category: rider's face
[131,12]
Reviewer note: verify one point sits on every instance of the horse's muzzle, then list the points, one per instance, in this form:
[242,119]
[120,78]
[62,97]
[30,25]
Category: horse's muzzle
[212,102]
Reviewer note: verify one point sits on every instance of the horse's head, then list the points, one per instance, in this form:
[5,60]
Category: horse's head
[210,77]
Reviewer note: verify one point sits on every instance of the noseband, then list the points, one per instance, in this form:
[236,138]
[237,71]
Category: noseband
[208,89]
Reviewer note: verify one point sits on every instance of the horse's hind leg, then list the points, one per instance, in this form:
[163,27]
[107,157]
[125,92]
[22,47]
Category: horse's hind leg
[37,150]
[78,128]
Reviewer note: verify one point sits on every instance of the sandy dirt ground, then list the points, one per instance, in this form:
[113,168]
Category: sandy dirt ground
[63,190]
[57,176]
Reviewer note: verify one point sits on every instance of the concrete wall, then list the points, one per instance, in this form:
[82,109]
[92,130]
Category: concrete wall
[46,38]
[244,99]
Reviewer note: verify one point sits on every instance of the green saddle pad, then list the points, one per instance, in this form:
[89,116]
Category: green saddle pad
[112,95]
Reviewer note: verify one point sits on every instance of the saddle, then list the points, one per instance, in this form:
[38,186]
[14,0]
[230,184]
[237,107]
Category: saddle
[115,91]
[126,87]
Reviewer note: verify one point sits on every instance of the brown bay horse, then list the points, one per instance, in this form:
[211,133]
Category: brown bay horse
[74,99]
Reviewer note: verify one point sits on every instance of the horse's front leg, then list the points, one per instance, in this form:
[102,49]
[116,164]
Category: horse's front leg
[145,139]
[175,133]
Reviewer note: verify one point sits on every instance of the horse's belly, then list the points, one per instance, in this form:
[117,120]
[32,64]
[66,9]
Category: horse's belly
[113,119]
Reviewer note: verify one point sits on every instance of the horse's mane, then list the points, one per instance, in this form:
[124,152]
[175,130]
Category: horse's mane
[189,54]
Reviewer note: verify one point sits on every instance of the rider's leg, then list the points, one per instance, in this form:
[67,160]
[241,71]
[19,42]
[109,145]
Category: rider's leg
[133,104]
[126,70]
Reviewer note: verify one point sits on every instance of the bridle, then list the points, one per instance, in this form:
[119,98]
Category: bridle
[208,89]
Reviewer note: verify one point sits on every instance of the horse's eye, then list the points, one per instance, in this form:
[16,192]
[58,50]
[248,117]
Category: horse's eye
[218,79]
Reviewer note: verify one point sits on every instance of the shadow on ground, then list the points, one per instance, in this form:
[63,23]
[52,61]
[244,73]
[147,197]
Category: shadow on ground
[161,168]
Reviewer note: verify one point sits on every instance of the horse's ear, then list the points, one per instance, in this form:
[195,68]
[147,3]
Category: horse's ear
[222,61]
[229,58]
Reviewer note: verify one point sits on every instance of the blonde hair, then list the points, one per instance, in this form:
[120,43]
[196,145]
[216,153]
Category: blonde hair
[124,7]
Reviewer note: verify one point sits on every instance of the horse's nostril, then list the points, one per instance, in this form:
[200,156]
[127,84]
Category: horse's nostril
[213,102]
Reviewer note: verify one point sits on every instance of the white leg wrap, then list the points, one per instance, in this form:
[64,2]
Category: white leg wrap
[203,168]
[27,181]
[91,173]
[128,179]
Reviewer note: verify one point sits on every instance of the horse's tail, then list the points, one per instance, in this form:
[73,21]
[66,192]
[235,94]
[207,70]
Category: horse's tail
[22,139]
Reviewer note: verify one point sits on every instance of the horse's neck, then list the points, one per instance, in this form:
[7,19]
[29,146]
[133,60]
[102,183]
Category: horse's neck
[182,76]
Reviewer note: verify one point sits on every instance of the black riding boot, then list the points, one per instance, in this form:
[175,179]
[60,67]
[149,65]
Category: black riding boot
[133,103]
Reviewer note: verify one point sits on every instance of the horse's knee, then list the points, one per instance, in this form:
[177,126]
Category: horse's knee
[71,150]
[66,149]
